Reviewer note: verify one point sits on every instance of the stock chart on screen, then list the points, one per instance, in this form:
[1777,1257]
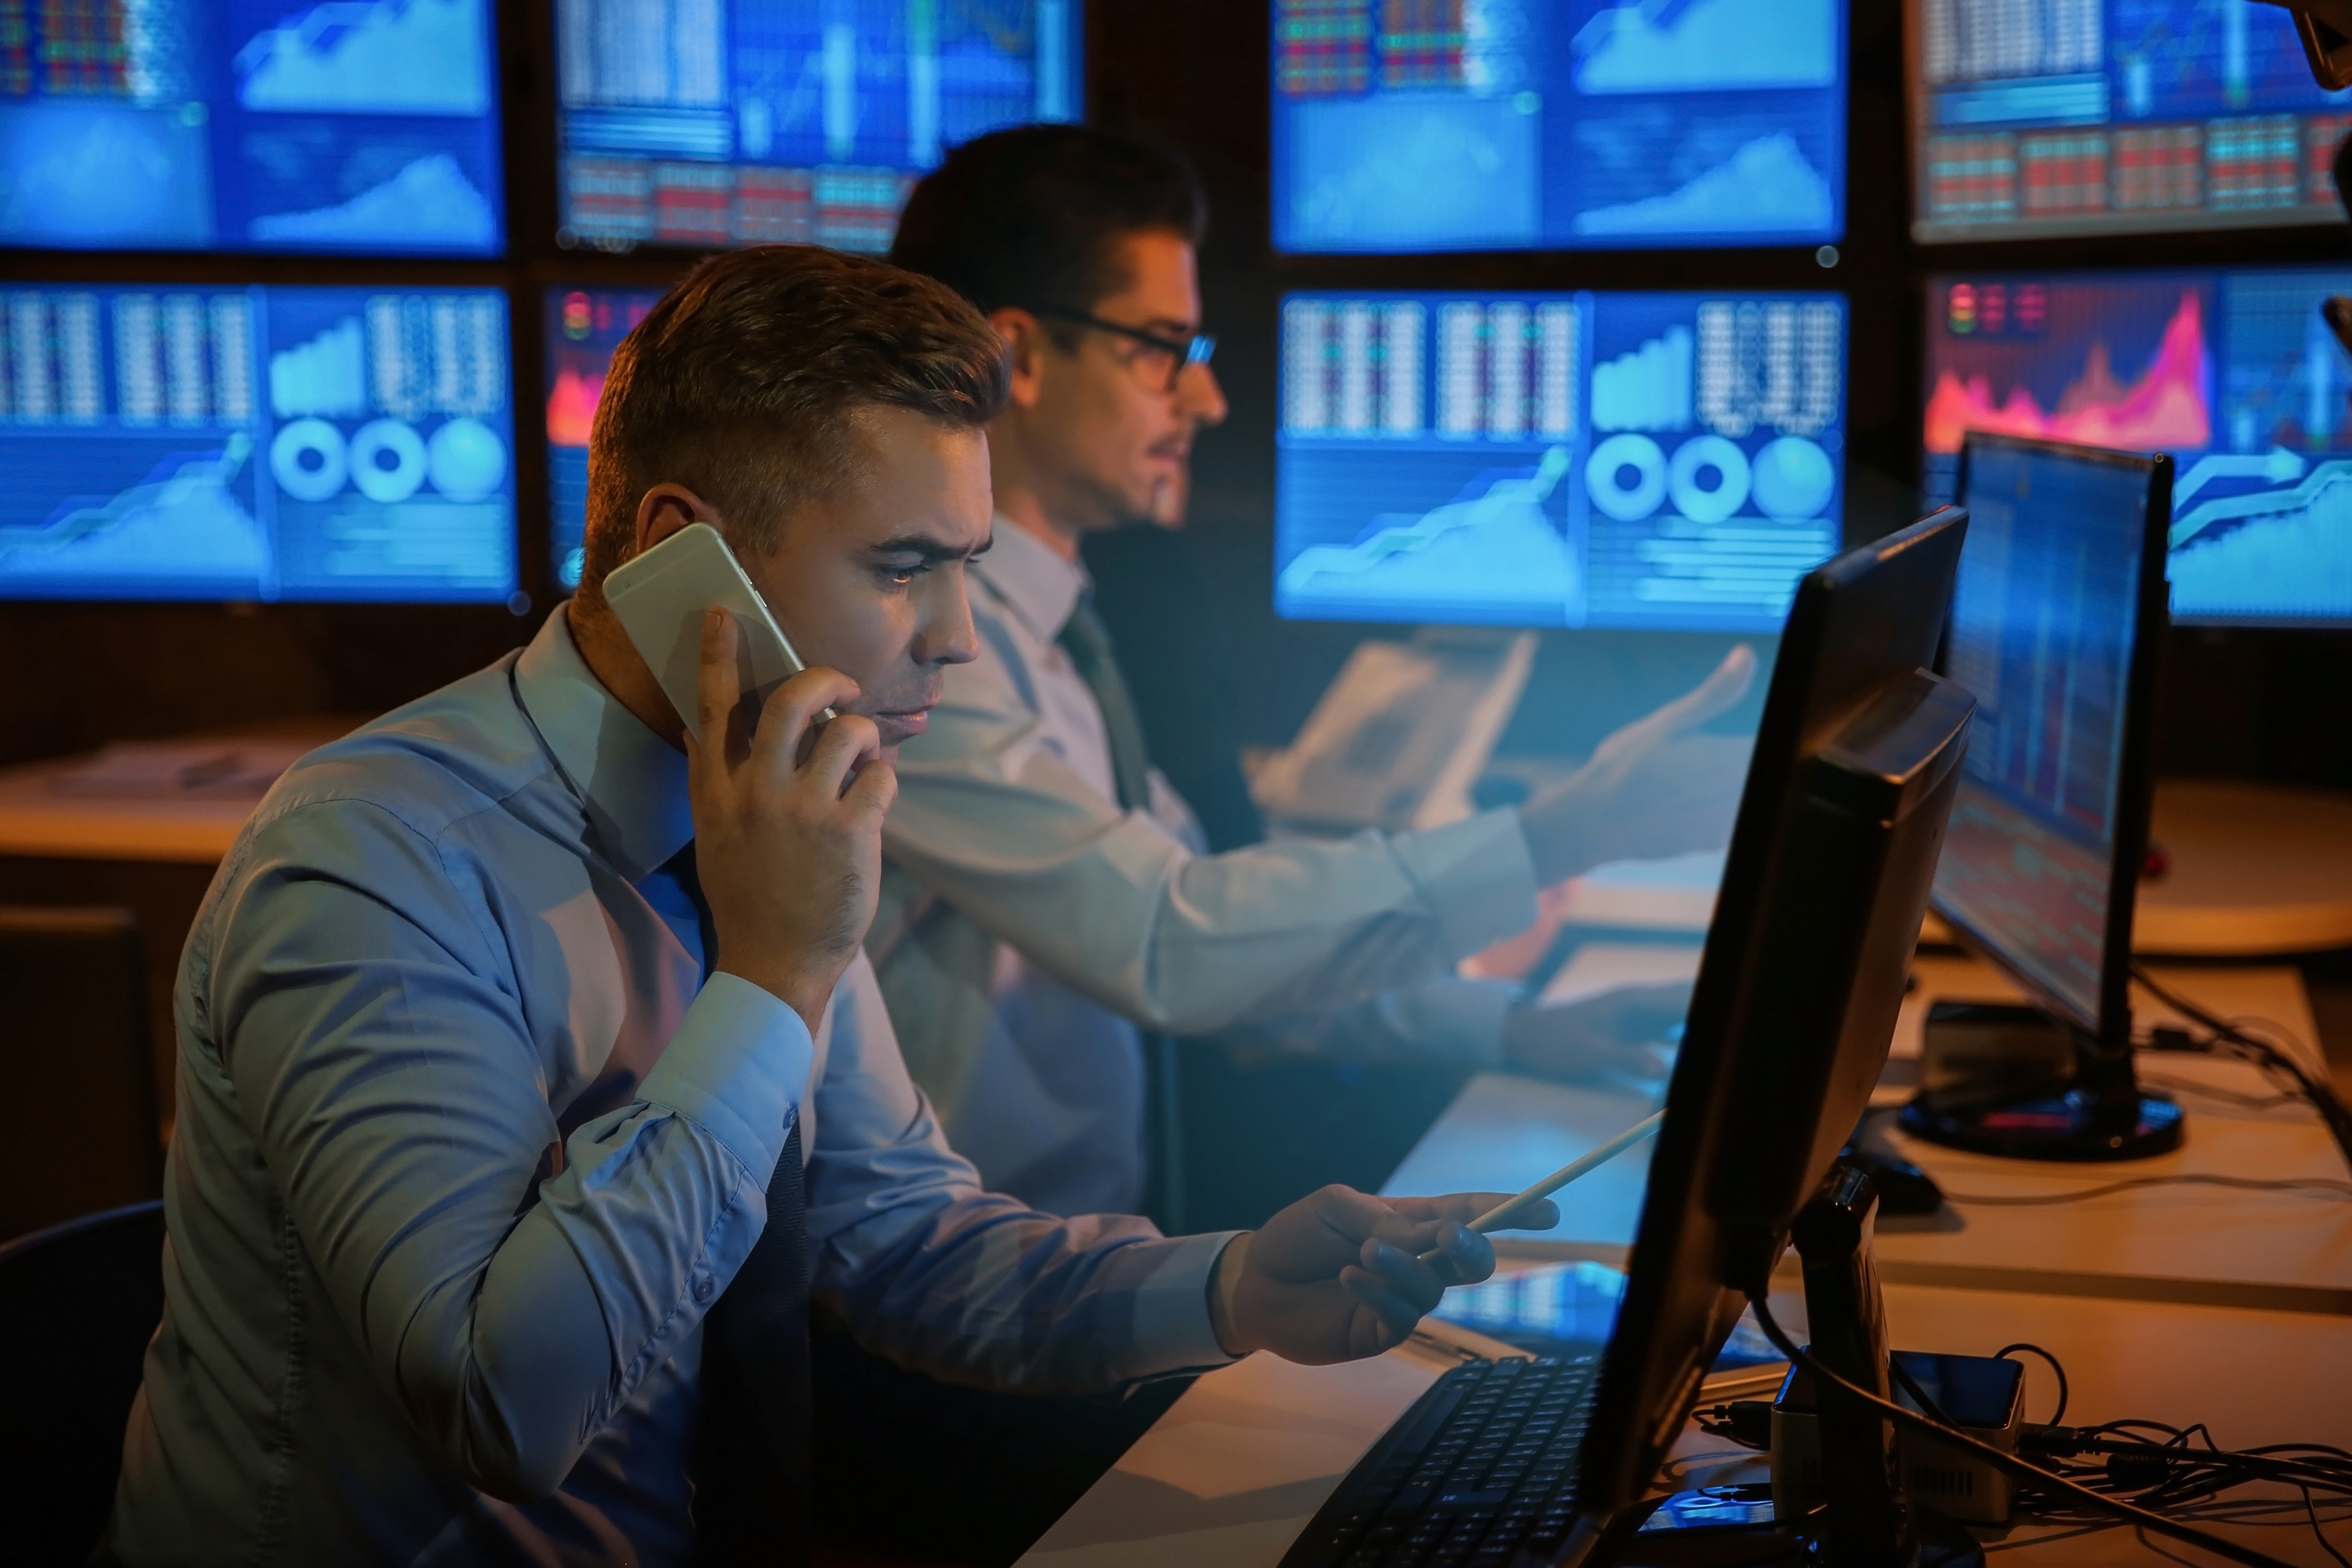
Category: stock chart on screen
[341,125]
[256,443]
[691,123]
[1416,125]
[583,327]
[2044,618]
[1662,461]
[2234,372]
[2059,117]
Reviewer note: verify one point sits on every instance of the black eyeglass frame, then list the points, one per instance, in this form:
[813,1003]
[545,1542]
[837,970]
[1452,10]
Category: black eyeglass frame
[1183,353]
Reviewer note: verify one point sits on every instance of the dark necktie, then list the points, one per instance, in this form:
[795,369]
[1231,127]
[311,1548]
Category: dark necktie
[751,1494]
[1087,643]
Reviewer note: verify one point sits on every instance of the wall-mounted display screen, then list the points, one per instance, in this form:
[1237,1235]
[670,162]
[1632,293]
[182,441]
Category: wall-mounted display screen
[691,123]
[2235,372]
[1670,462]
[1419,125]
[2059,117]
[339,125]
[212,442]
[583,327]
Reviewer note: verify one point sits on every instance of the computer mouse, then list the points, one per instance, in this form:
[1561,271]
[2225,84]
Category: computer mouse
[1902,1187]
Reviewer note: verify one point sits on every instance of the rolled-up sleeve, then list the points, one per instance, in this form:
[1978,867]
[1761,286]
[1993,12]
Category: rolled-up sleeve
[974,1287]
[371,1026]
[991,817]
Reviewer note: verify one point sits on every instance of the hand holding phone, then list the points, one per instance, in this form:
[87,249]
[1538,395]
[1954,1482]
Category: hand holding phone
[660,598]
[787,823]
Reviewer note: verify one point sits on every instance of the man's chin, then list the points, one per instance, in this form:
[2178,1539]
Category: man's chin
[899,729]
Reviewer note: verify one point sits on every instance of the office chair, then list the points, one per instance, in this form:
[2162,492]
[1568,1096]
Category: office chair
[74,1051]
[79,1302]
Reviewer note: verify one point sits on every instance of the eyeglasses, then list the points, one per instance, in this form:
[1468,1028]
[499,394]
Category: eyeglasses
[1178,351]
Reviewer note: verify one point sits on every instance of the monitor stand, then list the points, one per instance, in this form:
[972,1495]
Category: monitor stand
[2102,1114]
[1866,1520]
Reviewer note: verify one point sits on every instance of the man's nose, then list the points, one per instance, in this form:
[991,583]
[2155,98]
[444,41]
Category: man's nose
[945,633]
[1199,397]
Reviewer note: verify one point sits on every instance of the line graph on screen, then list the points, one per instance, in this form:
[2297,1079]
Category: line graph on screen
[2168,406]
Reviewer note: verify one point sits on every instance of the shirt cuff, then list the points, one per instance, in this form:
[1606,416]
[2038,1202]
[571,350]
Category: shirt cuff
[739,1066]
[1172,1330]
[1479,876]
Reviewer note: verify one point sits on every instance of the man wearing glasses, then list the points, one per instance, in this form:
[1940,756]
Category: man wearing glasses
[1046,897]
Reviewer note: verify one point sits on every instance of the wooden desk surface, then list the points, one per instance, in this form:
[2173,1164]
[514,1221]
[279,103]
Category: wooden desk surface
[37,821]
[1236,1468]
[2178,1243]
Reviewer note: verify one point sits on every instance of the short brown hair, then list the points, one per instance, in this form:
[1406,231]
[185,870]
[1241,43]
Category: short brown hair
[744,381]
[1034,215]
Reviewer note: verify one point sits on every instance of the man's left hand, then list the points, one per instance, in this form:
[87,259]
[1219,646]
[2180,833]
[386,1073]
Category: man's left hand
[1337,1275]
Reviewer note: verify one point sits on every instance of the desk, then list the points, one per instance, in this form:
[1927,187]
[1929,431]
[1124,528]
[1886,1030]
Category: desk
[153,856]
[2184,1244]
[1235,1469]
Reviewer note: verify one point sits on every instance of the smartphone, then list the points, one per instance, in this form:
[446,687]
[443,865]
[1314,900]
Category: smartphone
[660,598]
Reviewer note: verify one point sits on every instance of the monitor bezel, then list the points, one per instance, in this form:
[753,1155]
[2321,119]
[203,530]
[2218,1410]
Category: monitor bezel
[2134,783]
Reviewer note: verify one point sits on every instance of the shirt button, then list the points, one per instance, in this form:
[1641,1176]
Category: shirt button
[705,1289]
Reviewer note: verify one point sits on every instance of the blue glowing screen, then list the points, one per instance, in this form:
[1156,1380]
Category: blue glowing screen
[256,443]
[2046,614]
[341,125]
[2055,116]
[689,122]
[1662,461]
[1416,125]
[2235,372]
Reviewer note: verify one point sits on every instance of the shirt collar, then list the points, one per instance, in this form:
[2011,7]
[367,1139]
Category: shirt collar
[1040,588]
[631,782]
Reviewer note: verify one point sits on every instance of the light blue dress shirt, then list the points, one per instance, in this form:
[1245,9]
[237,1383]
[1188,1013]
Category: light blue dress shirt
[465,1149]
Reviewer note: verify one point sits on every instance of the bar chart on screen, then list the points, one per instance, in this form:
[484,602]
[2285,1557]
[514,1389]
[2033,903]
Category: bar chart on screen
[1669,461]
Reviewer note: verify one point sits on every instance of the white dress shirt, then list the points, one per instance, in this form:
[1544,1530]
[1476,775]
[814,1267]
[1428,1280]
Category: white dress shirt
[1029,925]
[466,1147]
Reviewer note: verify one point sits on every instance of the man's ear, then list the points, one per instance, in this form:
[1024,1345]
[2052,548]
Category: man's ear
[666,508]
[1025,346]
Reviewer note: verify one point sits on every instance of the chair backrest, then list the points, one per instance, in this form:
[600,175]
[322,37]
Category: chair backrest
[75,1054]
[79,1302]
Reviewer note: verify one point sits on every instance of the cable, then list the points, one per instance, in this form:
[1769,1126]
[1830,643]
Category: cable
[2017,1469]
[2007,1351]
[2316,1186]
[2320,1093]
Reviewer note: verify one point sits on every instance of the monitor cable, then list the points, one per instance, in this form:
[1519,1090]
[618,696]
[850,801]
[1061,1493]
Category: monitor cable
[2227,1039]
[2043,1480]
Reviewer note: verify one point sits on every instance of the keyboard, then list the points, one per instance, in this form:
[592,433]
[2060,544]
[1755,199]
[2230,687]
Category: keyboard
[1481,1467]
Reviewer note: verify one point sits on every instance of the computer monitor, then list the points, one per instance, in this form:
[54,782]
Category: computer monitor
[336,125]
[256,443]
[687,122]
[2234,373]
[1854,770]
[583,327]
[1667,462]
[2039,117]
[2055,628]
[1422,125]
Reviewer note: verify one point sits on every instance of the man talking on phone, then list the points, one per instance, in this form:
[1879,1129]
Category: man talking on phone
[1046,897]
[532,1082]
